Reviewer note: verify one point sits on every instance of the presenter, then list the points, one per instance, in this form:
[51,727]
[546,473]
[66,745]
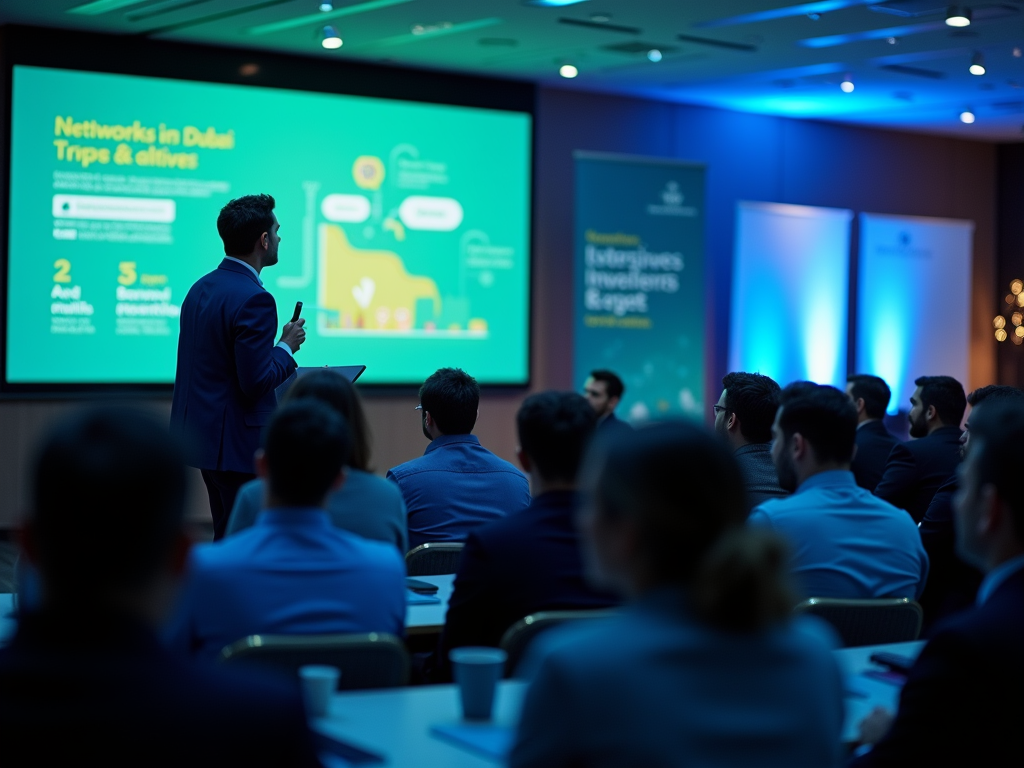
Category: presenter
[228,366]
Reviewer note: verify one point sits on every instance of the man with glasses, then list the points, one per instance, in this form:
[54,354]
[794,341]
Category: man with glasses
[457,484]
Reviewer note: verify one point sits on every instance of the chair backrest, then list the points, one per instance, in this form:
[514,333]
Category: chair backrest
[373,660]
[435,559]
[519,636]
[868,622]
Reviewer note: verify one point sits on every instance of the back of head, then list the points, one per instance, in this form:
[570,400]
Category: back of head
[754,399]
[994,392]
[554,429]
[824,416]
[681,489]
[452,398]
[333,389]
[243,220]
[997,432]
[946,394]
[873,391]
[612,383]
[108,499]
[305,446]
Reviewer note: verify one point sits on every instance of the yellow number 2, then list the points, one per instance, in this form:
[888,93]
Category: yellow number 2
[128,274]
[63,267]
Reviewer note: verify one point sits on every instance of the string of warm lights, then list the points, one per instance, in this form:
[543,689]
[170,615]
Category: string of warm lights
[1014,317]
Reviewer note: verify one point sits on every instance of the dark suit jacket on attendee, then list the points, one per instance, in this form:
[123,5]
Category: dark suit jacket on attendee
[874,444]
[228,368]
[759,474]
[962,704]
[915,470]
[613,425]
[99,690]
[527,562]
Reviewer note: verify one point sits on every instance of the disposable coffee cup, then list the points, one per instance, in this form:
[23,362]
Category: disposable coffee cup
[319,682]
[477,671]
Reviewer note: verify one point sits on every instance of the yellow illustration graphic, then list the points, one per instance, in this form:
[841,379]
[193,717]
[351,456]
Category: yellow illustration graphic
[371,290]
[368,172]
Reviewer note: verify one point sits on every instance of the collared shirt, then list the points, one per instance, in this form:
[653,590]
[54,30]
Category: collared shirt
[293,572]
[994,579]
[845,542]
[455,486]
[282,344]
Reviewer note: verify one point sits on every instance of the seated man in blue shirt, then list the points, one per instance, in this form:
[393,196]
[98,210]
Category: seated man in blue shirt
[493,588]
[293,572]
[457,484]
[845,542]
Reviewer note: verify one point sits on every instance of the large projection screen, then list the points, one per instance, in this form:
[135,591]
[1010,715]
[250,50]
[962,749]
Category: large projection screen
[405,226]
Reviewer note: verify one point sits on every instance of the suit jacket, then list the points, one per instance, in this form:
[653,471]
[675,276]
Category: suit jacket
[759,473]
[963,703]
[654,687]
[99,690]
[613,425]
[228,368]
[915,470]
[527,562]
[874,444]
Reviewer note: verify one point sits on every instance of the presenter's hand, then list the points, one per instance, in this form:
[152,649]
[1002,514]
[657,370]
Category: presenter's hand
[294,334]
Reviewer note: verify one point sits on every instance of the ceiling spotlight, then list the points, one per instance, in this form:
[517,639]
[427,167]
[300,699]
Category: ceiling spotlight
[813,16]
[1017,53]
[654,55]
[977,64]
[892,40]
[967,117]
[332,39]
[847,85]
[326,6]
[958,16]
[601,18]
[568,71]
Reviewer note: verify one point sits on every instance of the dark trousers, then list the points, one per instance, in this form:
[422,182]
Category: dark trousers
[223,486]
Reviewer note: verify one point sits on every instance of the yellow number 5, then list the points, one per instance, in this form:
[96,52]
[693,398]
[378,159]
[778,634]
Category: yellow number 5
[63,267]
[128,274]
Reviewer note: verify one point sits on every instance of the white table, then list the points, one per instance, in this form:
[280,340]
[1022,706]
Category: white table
[861,694]
[429,619]
[396,723]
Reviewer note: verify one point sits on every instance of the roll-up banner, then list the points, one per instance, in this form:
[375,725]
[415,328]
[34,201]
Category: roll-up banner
[639,304]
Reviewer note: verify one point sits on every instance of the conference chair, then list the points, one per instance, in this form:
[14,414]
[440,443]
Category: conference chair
[519,636]
[435,559]
[868,622]
[374,660]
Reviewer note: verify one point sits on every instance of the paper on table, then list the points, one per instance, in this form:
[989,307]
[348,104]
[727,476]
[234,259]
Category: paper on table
[412,598]
[493,741]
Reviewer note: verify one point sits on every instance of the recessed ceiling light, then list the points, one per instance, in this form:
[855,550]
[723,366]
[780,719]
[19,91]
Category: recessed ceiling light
[977,64]
[332,39]
[601,18]
[967,116]
[958,17]
[847,85]
[813,16]
[892,40]
[326,6]
[568,71]
[248,70]
[654,55]
[1017,53]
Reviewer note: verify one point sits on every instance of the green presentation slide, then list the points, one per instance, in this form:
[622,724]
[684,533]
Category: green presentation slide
[405,227]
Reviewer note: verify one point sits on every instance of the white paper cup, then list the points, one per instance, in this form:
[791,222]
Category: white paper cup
[319,682]
[477,671]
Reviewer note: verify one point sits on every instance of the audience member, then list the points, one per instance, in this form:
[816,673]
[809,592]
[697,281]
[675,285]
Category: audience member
[953,583]
[962,702]
[846,543]
[529,561]
[457,484]
[293,572]
[915,470]
[706,665]
[743,416]
[366,504]
[871,396]
[85,681]
[604,390]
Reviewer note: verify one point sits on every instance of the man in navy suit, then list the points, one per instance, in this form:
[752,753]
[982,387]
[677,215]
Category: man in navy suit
[871,396]
[228,367]
[963,703]
[604,390]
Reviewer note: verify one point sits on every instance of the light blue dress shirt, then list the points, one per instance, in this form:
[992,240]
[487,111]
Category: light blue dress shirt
[846,542]
[292,573]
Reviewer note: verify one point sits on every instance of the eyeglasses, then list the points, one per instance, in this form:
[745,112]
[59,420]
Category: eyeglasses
[717,408]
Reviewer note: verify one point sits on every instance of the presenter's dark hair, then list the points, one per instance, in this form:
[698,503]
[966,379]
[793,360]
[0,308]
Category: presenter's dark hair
[681,488]
[306,444]
[946,394]
[994,392]
[754,398]
[108,500]
[612,383]
[997,431]
[339,393]
[451,397]
[243,221]
[823,415]
[554,430]
[873,391]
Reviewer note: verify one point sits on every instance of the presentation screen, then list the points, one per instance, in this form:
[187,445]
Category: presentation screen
[405,226]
